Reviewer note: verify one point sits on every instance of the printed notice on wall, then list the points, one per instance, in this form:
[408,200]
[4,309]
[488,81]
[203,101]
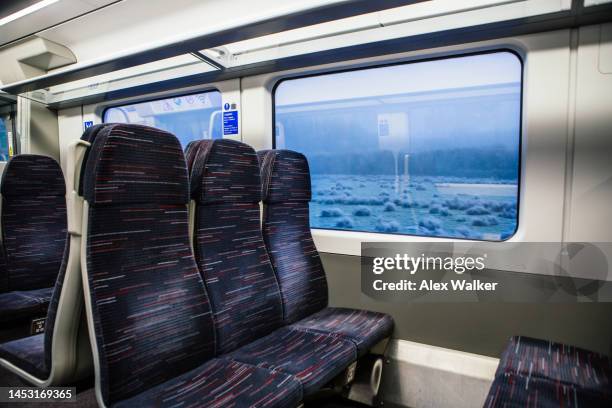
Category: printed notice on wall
[230,123]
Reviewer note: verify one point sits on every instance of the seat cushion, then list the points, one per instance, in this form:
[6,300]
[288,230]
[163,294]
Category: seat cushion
[23,305]
[222,383]
[362,327]
[313,358]
[28,354]
[557,362]
[517,391]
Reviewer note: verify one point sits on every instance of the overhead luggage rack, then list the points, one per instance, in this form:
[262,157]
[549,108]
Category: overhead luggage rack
[299,37]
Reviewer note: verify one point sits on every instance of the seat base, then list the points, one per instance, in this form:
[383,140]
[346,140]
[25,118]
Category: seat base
[313,358]
[364,328]
[27,354]
[557,362]
[516,391]
[18,306]
[222,383]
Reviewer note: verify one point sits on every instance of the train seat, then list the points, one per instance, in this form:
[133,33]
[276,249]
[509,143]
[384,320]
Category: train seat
[33,223]
[286,195]
[33,358]
[148,311]
[243,287]
[557,374]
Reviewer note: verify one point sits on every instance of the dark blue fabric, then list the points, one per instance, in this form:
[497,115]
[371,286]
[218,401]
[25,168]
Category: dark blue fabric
[314,359]
[362,327]
[560,363]
[33,221]
[27,354]
[286,193]
[516,391]
[285,176]
[286,230]
[228,244]
[225,171]
[220,384]
[151,313]
[24,305]
[121,170]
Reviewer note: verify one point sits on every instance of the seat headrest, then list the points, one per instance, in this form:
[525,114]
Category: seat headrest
[135,164]
[225,171]
[285,176]
[32,175]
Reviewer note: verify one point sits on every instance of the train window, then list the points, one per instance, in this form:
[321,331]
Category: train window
[428,148]
[189,117]
[4,140]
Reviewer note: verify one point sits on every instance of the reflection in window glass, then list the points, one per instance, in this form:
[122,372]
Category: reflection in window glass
[4,142]
[190,117]
[428,148]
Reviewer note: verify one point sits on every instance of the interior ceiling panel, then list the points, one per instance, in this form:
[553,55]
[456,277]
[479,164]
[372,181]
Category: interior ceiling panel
[132,24]
[53,14]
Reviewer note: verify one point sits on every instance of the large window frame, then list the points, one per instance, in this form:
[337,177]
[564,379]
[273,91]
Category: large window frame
[520,163]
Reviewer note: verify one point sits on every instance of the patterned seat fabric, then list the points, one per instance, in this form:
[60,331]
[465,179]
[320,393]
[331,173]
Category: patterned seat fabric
[149,311]
[541,373]
[363,327]
[286,195]
[313,358]
[517,391]
[23,305]
[228,244]
[33,221]
[33,354]
[243,288]
[557,362]
[221,383]
[33,235]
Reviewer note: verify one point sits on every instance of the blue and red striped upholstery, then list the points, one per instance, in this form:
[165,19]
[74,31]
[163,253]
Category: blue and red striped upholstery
[542,373]
[286,195]
[219,384]
[34,221]
[286,229]
[151,313]
[363,327]
[152,321]
[239,277]
[516,391]
[313,358]
[228,245]
[557,362]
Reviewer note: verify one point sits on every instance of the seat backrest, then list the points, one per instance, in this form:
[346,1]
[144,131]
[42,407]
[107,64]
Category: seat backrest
[74,302]
[286,229]
[229,247]
[33,221]
[148,312]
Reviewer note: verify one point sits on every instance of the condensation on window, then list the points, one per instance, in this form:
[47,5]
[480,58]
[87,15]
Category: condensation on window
[426,148]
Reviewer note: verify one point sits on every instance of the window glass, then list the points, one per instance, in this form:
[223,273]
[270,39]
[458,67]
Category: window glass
[4,142]
[189,117]
[427,148]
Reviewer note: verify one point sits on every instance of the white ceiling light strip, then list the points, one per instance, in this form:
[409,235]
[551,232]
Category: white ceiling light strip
[28,10]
